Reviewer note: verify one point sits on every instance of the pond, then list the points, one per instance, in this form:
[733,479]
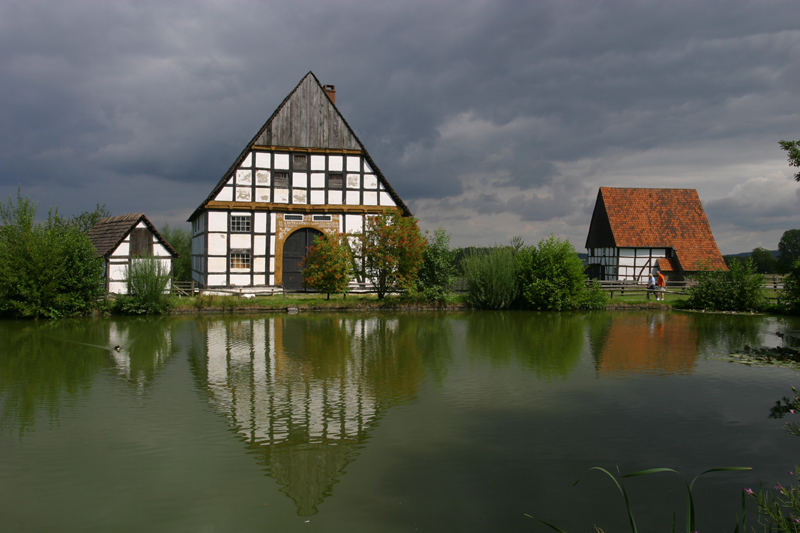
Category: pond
[384,422]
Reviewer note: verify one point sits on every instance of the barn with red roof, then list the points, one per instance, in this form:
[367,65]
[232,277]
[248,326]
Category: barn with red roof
[636,230]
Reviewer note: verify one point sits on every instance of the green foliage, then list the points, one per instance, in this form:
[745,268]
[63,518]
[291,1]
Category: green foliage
[436,274]
[551,278]
[764,261]
[736,289]
[47,269]
[392,248]
[147,283]
[790,297]
[327,266]
[87,220]
[779,507]
[181,240]
[491,278]
[788,249]
[792,149]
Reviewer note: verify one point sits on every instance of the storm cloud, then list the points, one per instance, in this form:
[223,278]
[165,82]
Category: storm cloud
[491,119]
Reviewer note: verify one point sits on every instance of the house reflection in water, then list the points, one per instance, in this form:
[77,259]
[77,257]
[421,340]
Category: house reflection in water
[654,343]
[304,392]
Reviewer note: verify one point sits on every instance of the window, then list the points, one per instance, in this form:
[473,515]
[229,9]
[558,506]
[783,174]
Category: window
[321,218]
[293,217]
[281,179]
[141,242]
[240,259]
[300,161]
[240,224]
[335,180]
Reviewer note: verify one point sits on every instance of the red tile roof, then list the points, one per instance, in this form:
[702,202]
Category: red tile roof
[669,218]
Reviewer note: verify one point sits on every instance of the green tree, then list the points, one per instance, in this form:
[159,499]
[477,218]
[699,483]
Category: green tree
[328,264]
[87,220]
[788,249]
[737,289]
[552,278]
[438,268]
[181,240]
[791,289]
[391,250]
[764,261]
[47,269]
[792,149]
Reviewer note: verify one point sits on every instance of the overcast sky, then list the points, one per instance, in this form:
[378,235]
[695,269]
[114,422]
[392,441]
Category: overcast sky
[490,118]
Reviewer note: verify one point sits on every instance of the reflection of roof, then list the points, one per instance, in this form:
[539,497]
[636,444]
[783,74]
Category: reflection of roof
[649,344]
[110,231]
[659,218]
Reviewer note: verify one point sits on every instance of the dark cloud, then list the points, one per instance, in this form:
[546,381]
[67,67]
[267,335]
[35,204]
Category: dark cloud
[504,107]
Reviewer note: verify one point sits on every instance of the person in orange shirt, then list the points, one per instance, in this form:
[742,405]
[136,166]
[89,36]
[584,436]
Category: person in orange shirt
[661,283]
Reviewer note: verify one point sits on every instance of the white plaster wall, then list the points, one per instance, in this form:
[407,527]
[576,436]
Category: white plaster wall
[626,252]
[317,162]
[240,279]
[217,244]
[282,161]
[159,250]
[335,197]
[317,179]
[353,224]
[248,160]
[118,271]
[141,225]
[353,181]
[262,159]
[217,264]
[243,194]
[317,197]
[299,179]
[659,252]
[386,199]
[272,247]
[370,181]
[216,279]
[259,279]
[259,264]
[367,168]
[244,177]
[123,250]
[370,198]
[299,196]
[353,163]
[118,287]
[260,245]
[626,261]
[260,225]
[353,198]
[240,240]
[225,195]
[335,163]
[282,196]
[217,221]
[262,194]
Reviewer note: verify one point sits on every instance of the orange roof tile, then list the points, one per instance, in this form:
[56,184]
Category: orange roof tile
[669,218]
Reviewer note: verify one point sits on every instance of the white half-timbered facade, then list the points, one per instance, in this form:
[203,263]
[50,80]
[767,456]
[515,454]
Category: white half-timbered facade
[124,239]
[304,173]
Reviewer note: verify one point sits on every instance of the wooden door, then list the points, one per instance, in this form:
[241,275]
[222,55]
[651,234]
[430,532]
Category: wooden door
[294,251]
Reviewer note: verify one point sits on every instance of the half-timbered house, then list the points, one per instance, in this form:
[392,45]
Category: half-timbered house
[636,230]
[303,174]
[123,239]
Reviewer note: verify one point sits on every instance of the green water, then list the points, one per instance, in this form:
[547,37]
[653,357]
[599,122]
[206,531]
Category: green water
[383,422]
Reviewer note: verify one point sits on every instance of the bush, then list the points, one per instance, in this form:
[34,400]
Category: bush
[48,269]
[327,266]
[790,297]
[552,278]
[147,283]
[436,274]
[492,278]
[736,289]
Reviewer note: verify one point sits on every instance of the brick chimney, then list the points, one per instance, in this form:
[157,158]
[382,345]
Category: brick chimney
[330,90]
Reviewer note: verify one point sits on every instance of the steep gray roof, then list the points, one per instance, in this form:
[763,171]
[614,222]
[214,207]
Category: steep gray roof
[109,232]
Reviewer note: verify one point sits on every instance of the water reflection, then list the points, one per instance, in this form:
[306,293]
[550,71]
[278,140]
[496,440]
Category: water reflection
[42,364]
[304,391]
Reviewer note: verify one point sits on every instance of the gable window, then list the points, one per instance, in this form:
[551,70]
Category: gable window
[300,161]
[240,224]
[281,179]
[240,259]
[141,242]
[335,180]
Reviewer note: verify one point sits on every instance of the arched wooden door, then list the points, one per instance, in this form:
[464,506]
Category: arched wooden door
[294,251]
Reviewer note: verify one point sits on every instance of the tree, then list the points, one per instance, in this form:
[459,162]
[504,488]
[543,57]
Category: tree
[391,249]
[181,240]
[764,261]
[48,269]
[438,269]
[791,289]
[792,149]
[87,220]
[328,264]
[788,249]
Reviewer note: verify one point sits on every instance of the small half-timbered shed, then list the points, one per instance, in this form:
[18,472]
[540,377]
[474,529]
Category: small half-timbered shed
[303,174]
[636,230]
[123,239]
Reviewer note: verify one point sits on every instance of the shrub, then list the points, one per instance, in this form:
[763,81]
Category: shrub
[327,266]
[391,248]
[147,283]
[736,289]
[790,297]
[47,269]
[436,273]
[552,278]
[491,278]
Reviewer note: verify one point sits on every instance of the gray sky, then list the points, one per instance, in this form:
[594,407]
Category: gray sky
[491,119]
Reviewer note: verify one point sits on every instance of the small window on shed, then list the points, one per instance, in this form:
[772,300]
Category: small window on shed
[321,218]
[335,180]
[300,161]
[141,242]
[281,179]
[240,259]
[293,217]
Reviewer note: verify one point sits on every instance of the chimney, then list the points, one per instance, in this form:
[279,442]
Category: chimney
[330,90]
